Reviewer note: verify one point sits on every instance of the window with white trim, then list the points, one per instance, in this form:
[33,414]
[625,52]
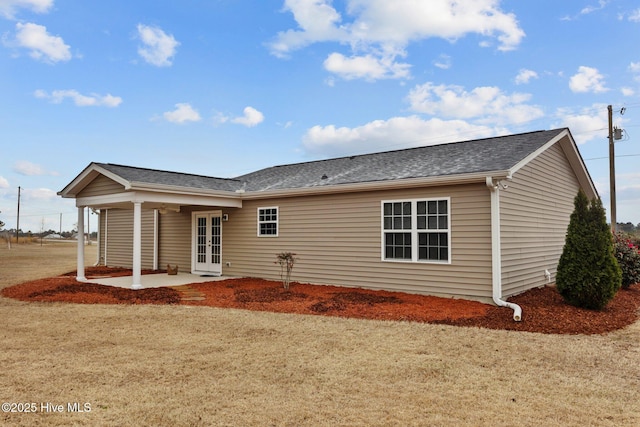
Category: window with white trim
[268,222]
[416,230]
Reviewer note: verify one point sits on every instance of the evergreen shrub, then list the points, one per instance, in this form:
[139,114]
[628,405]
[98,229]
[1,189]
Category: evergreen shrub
[588,274]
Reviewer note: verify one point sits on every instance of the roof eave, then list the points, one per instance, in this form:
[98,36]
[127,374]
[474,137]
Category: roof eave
[459,179]
[161,188]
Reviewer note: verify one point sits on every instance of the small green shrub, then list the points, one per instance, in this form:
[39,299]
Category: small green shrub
[588,274]
[628,256]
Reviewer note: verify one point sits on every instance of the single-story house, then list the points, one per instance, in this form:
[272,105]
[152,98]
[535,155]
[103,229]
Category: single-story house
[482,219]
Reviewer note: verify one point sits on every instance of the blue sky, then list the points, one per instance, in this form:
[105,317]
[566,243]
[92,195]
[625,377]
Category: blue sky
[226,87]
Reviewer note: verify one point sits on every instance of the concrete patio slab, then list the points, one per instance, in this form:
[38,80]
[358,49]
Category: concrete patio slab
[156,280]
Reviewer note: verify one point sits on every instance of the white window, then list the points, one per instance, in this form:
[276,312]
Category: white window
[416,230]
[268,222]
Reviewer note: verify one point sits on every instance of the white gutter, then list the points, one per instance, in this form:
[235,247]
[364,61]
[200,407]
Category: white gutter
[496,256]
[470,178]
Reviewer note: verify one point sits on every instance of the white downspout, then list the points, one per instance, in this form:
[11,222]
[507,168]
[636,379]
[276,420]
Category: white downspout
[496,256]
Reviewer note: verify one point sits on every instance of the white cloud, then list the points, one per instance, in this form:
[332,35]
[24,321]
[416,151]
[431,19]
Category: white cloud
[590,9]
[443,62]
[585,124]
[158,47]
[366,67]
[31,169]
[182,114]
[40,194]
[8,8]
[318,22]
[587,79]
[627,91]
[251,117]
[41,44]
[4,183]
[92,100]
[485,105]
[635,16]
[395,133]
[524,76]
[381,30]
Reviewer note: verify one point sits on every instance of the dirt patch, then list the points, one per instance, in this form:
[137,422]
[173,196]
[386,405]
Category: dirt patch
[543,309]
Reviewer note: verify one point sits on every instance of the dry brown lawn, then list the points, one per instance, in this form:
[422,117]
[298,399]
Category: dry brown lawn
[150,365]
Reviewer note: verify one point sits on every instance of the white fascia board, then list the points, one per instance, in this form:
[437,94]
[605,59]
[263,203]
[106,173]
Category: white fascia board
[85,178]
[106,200]
[570,149]
[158,198]
[539,151]
[159,188]
[378,185]
[117,178]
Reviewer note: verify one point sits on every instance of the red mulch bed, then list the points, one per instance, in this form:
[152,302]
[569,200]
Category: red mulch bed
[543,308]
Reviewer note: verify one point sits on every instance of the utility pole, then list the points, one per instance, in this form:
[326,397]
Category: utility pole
[615,134]
[612,171]
[18,219]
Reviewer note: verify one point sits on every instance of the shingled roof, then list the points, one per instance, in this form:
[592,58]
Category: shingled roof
[168,178]
[475,156]
[458,158]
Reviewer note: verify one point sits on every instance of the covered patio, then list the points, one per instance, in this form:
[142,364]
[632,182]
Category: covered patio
[155,280]
[102,187]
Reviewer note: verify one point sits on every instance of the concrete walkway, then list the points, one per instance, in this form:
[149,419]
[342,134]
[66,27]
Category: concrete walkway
[156,280]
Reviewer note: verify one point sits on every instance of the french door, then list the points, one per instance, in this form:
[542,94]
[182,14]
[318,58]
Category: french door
[207,242]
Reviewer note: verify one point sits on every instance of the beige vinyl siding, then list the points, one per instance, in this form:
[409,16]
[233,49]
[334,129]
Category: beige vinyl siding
[174,239]
[101,186]
[535,211]
[337,239]
[119,237]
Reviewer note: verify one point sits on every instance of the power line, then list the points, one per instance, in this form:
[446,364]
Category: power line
[621,155]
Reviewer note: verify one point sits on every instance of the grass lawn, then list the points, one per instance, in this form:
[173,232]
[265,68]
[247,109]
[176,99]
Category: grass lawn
[190,366]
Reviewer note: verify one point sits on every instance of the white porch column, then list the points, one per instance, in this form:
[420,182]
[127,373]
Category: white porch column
[137,246]
[80,265]
[156,226]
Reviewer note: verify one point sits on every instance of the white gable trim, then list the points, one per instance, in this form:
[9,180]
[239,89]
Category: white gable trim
[570,150]
[87,176]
